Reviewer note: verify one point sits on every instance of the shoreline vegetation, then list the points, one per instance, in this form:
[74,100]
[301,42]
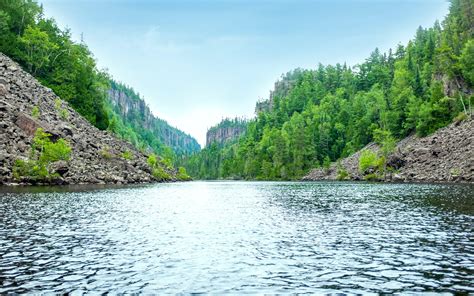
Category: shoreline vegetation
[400,116]
[314,119]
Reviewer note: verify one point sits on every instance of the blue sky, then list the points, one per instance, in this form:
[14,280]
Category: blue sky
[196,62]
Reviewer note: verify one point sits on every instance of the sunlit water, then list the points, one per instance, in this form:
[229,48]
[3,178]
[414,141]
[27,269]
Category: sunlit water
[238,237]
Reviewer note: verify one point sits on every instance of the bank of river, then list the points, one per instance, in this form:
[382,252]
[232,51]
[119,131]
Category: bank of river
[238,237]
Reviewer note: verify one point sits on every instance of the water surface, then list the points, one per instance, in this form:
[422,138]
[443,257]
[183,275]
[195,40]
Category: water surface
[238,237]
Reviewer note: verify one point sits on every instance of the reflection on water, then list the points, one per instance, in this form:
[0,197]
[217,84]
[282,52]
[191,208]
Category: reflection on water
[238,237]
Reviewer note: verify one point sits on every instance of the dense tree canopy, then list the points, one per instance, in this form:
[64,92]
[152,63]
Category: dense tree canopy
[315,117]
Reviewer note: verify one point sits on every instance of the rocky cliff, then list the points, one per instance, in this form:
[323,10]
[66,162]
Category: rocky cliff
[226,130]
[135,112]
[445,156]
[281,88]
[96,156]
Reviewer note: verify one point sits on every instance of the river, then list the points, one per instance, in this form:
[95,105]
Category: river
[238,237]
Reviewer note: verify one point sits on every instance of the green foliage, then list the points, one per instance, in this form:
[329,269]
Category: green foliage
[138,128]
[342,173]
[372,177]
[50,54]
[127,154]
[43,153]
[105,153]
[63,113]
[318,116]
[35,112]
[466,61]
[386,141]
[160,174]
[182,174]
[157,168]
[460,117]
[455,172]
[368,160]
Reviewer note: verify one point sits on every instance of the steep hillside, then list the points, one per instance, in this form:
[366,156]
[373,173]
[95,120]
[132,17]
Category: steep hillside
[445,156]
[95,156]
[130,111]
[314,117]
[68,67]
[227,130]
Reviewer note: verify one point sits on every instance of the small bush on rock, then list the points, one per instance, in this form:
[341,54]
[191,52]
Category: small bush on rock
[342,174]
[43,153]
[372,177]
[368,160]
[183,175]
[460,117]
[105,153]
[127,155]
[63,113]
[35,112]
[157,169]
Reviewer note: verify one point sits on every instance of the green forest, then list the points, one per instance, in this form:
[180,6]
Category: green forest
[317,116]
[49,54]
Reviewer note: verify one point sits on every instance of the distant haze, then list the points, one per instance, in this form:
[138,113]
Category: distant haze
[196,62]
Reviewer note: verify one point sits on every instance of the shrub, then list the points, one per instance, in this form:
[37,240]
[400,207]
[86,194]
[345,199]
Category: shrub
[58,104]
[182,174]
[342,174]
[368,160]
[372,177]
[105,153]
[460,117]
[35,112]
[160,174]
[127,155]
[326,163]
[29,168]
[455,172]
[43,153]
[157,170]
[64,114]
[152,161]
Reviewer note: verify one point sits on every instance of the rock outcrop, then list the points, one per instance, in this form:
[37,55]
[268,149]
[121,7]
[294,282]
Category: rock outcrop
[445,156]
[134,110]
[96,157]
[227,130]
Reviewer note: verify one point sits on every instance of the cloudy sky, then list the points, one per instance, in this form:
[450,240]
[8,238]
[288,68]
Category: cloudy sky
[196,62]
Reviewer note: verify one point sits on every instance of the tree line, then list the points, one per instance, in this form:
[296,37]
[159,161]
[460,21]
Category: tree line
[317,116]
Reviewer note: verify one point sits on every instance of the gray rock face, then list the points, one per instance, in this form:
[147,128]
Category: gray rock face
[224,134]
[445,156]
[128,107]
[96,155]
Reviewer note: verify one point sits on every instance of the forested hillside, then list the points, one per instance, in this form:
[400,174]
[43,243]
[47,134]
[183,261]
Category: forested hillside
[69,69]
[207,163]
[132,119]
[317,116]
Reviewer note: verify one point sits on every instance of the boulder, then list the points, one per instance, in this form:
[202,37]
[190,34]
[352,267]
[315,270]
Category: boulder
[27,124]
[60,167]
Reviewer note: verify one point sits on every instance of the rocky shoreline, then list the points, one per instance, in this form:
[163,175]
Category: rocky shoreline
[446,156]
[97,157]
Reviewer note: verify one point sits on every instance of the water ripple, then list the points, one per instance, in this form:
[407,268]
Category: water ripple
[236,237]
